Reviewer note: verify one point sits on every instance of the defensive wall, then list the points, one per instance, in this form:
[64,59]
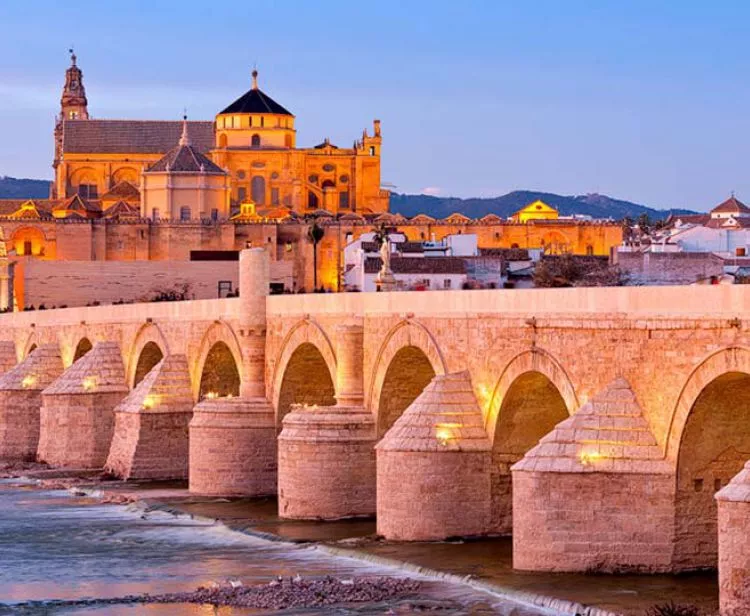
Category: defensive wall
[624,410]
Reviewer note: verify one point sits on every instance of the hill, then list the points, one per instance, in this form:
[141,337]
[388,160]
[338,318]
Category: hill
[598,206]
[21,188]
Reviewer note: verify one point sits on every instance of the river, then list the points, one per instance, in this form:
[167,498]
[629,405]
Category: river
[58,547]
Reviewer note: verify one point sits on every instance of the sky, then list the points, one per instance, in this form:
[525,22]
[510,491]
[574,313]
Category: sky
[641,100]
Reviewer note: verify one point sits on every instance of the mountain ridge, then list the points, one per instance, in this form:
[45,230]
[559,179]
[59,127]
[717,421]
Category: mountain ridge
[596,205]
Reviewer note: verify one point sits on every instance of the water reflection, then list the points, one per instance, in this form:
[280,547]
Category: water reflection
[56,547]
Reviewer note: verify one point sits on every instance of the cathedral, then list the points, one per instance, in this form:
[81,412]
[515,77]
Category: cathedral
[205,170]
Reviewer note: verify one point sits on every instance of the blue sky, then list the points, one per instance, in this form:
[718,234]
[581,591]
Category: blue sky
[642,100]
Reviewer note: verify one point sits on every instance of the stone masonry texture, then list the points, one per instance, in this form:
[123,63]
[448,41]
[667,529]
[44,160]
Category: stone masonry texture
[77,414]
[433,466]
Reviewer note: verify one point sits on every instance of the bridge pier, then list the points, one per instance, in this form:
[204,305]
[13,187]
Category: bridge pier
[596,493]
[326,454]
[77,414]
[150,439]
[734,545]
[20,401]
[433,466]
[233,440]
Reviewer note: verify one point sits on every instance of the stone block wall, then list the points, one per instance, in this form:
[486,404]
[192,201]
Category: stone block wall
[668,268]
[601,522]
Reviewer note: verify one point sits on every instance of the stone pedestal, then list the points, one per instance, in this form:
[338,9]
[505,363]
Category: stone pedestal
[433,466]
[327,463]
[151,425]
[734,545]
[596,493]
[233,448]
[21,398]
[77,414]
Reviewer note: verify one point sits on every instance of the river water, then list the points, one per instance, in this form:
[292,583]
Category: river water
[54,546]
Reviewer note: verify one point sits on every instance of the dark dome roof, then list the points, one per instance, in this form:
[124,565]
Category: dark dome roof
[254,101]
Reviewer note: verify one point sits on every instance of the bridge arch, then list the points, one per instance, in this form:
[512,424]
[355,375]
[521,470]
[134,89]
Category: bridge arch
[84,346]
[305,372]
[535,361]
[219,365]
[709,442]
[406,362]
[32,342]
[532,395]
[148,348]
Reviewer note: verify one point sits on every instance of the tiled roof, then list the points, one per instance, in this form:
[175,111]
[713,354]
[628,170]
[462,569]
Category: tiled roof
[122,190]
[185,159]
[410,247]
[132,136]
[728,223]
[122,209]
[255,101]
[418,265]
[732,206]
[41,208]
[509,254]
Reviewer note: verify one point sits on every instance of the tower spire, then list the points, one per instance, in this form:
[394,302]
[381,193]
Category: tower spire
[73,103]
[255,78]
[185,138]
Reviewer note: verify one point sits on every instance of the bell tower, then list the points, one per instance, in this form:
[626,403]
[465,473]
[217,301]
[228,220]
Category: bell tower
[73,104]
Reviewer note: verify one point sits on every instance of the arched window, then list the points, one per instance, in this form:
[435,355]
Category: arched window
[312,200]
[344,199]
[590,250]
[258,189]
[255,141]
[328,184]
[222,141]
[288,141]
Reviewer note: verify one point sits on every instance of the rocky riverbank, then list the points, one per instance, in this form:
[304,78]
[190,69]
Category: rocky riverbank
[279,594]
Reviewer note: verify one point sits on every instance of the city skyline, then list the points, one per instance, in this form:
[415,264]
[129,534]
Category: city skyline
[642,103]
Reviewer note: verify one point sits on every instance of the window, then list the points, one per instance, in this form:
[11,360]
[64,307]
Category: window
[214,214]
[447,283]
[258,189]
[73,115]
[590,251]
[184,213]
[312,200]
[372,150]
[242,194]
[255,141]
[344,199]
[250,119]
[241,174]
[27,250]
[288,141]
[262,121]
[274,196]
[143,234]
[155,214]
[88,191]
[740,252]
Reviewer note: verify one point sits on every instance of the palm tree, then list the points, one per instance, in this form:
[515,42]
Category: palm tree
[315,234]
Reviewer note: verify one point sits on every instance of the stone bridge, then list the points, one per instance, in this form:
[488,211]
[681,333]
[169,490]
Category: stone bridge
[640,398]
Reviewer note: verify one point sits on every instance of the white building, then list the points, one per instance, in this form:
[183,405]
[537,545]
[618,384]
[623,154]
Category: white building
[416,265]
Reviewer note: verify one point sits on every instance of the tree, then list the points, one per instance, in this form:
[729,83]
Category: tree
[315,234]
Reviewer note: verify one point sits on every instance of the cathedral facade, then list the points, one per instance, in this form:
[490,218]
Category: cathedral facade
[252,141]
